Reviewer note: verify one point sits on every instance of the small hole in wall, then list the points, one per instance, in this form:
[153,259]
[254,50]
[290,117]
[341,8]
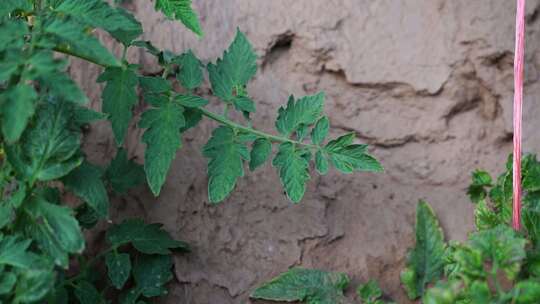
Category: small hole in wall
[280,47]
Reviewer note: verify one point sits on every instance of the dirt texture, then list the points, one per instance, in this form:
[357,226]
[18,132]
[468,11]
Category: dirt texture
[427,83]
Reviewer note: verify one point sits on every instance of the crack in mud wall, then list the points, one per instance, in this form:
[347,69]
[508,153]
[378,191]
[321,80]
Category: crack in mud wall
[427,83]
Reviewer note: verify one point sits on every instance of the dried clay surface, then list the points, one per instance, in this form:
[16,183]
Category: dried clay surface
[427,83]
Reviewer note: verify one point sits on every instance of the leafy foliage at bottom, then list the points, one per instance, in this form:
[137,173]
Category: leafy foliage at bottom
[309,285]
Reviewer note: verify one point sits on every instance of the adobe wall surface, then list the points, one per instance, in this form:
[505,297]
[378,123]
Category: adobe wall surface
[427,83]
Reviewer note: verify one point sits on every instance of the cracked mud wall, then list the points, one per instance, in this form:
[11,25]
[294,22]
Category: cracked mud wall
[427,83]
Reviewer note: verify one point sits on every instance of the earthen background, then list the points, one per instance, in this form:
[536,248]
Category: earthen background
[427,83]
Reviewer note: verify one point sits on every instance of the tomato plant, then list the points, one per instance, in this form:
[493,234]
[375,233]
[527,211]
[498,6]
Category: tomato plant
[41,117]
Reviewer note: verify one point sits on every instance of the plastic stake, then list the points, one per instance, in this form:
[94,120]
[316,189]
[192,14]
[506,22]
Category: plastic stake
[519,55]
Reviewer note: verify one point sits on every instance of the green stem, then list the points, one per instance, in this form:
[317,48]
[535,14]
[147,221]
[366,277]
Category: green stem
[165,72]
[226,110]
[64,50]
[91,262]
[223,120]
[124,53]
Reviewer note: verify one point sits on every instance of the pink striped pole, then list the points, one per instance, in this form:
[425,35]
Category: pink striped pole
[519,55]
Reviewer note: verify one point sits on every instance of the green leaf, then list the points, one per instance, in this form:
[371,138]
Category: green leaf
[14,252]
[17,108]
[181,10]
[527,292]
[55,230]
[11,62]
[192,116]
[370,292]
[33,285]
[97,13]
[9,6]
[83,115]
[244,104]
[123,173]
[531,179]
[426,260]
[226,153]
[17,197]
[59,295]
[12,34]
[85,182]
[443,293]
[477,191]
[148,239]
[119,97]
[485,217]
[86,293]
[348,157]
[62,85]
[479,293]
[148,46]
[293,166]
[49,148]
[6,215]
[7,282]
[309,285]
[260,152]
[131,296]
[302,132]
[320,131]
[86,216]
[118,268]
[231,73]
[306,110]
[190,74]
[162,138]
[502,247]
[321,162]
[72,37]
[42,63]
[154,84]
[190,101]
[151,273]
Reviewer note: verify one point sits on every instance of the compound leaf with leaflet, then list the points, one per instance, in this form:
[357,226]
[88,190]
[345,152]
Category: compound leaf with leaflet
[304,111]
[183,11]
[320,131]
[293,166]
[190,74]
[310,285]
[260,152]
[73,39]
[97,13]
[162,138]
[87,293]
[14,252]
[17,108]
[146,238]
[123,173]
[348,157]
[119,96]
[232,72]
[85,182]
[55,229]
[151,273]
[118,268]
[226,153]
[49,149]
